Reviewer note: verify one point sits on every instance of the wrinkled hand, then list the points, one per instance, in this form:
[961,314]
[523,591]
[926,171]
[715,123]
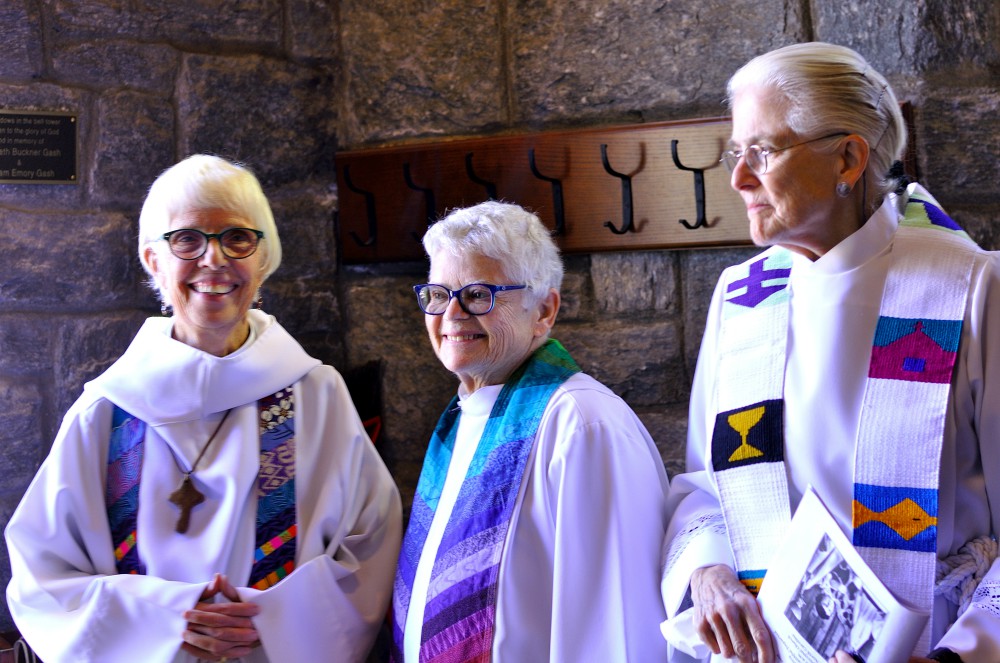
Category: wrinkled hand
[219,631]
[728,618]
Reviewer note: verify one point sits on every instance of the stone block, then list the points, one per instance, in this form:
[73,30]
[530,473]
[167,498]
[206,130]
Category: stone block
[89,20]
[576,296]
[634,283]
[6,622]
[26,345]
[981,222]
[192,23]
[961,34]
[67,262]
[667,426]
[957,138]
[313,29]
[304,305]
[274,115]
[304,216]
[639,361]
[135,133]
[85,347]
[21,35]
[384,323]
[433,69]
[628,61]
[21,423]
[901,37]
[256,23]
[865,26]
[117,63]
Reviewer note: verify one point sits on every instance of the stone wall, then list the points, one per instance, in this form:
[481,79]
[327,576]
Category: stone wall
[282,84]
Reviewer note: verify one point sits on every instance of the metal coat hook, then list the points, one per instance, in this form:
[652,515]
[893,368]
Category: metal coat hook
[699,190]
[557,194]
[491,188]
[369,210]
[626,196]
[429,202]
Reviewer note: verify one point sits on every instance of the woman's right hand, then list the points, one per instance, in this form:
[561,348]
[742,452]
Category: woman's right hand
[728,617]
[220,631]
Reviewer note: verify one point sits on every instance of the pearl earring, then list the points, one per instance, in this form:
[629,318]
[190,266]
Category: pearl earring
[843,189]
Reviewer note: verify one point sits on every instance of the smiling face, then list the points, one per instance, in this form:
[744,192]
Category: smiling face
[794,204]
[485,349]
[211,294]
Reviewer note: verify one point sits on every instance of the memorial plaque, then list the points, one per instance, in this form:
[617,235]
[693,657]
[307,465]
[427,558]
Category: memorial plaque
[37,147]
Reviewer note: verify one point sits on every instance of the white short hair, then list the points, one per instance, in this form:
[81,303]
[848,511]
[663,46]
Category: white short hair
[507,233]
[202,182]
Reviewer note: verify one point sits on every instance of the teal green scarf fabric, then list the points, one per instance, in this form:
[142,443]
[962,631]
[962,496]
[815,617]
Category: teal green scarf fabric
[459,620]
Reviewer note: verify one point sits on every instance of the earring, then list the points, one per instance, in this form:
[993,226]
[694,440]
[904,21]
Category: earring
[166,310]
[259,304]
[843,189]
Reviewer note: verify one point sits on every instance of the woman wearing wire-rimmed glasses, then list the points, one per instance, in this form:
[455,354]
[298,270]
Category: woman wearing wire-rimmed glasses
[213,495]
[537,520]
[851,357]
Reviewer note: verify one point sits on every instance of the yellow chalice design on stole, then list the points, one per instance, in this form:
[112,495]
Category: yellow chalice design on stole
[742,422]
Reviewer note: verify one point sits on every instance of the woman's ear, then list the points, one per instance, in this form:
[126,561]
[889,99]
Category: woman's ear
[547,309]
[854,152]
[149,259]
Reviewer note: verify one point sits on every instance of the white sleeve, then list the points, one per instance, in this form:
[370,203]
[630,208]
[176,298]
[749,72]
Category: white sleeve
[65,595]
[696,536]
[606,491]
[349,535]
[975,635]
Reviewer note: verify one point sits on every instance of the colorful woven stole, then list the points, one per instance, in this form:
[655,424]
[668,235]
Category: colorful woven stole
[121,492]
[748,438]
[897,465]
[459,619]
[274,555]
[898,460]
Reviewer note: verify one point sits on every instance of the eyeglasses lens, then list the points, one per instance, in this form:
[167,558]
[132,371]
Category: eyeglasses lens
[236,243]
[755,159]
[475,298]
[478,299]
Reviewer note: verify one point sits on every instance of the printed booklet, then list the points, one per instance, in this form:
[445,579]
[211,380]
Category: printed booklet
[820,596]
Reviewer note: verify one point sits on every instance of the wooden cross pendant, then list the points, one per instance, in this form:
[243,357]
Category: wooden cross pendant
[186,497]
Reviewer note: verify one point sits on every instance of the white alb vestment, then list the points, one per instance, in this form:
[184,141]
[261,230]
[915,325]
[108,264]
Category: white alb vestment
[834,306]
[578,577]
[66,596]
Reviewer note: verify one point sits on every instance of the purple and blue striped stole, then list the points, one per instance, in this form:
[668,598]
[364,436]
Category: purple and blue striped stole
[459,620]
[274,553]
[121,491]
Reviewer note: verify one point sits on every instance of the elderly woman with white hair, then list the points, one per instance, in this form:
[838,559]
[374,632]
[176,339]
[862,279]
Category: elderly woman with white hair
[535,529]
[213,495]
[859,355]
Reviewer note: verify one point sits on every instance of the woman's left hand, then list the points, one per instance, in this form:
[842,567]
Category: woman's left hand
[220,631]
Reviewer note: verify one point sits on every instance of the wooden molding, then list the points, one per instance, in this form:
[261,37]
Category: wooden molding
[388,196]
[584,184]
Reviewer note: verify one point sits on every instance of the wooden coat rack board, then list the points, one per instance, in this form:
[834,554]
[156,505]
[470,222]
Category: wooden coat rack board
[647,186]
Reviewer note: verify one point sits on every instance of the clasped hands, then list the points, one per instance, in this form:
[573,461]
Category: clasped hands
[728,619]
[220,631]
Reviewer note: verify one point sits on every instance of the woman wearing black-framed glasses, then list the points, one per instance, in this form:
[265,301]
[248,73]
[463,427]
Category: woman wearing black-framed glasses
[213,495]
